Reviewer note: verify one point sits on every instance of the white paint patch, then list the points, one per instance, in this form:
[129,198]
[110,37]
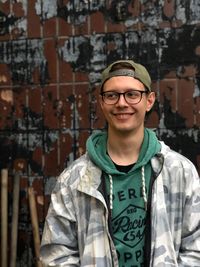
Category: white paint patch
[70,51]
[180,11]
[194,11]
[46,9]
[22,24]
[196,89]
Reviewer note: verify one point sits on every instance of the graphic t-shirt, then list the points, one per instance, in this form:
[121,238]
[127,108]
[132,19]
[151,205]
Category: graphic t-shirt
[129,217]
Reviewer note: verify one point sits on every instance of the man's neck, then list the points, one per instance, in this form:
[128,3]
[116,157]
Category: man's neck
[124,148]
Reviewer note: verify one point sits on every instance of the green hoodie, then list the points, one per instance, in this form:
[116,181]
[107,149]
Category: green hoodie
[128,212]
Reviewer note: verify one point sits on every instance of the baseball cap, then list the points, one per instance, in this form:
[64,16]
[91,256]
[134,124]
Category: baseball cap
[136,71]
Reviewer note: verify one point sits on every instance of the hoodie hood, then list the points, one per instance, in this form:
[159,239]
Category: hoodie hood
[97,149]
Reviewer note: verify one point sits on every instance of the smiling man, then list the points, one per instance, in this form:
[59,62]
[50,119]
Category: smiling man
[129,201]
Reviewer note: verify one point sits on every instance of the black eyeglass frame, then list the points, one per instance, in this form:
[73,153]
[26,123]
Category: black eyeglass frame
[124,95]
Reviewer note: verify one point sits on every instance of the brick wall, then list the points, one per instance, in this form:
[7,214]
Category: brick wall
[51,56]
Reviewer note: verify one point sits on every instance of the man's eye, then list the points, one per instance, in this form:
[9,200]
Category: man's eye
[132,94]
[111,95]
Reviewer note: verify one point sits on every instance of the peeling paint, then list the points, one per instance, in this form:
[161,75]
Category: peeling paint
[7,23]
[76,12]
[24,4]
[11,23]
[46,9]
[196,89]
[181,11]
[194,11]
[21,25]
[22,57]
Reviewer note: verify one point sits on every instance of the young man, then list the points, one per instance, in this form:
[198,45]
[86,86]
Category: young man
[130,201]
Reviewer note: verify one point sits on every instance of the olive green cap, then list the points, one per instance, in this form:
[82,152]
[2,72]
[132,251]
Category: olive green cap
[138,72]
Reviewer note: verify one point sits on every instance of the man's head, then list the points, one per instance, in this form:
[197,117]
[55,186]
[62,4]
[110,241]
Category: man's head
[126,95]
[127,68]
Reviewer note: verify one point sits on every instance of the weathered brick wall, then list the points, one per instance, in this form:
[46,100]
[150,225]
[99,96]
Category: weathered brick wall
[51,56]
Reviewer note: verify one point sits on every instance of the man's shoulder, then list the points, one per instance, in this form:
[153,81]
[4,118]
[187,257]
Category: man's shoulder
[78,169]
[75,166]
[170,153]
[174,160]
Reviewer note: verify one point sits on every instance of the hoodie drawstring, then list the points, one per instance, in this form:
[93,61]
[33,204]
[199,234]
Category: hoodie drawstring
[144,195]
[111,192]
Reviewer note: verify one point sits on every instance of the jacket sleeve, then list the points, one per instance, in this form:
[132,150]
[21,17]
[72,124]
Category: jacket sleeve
[189,253]
[59,246]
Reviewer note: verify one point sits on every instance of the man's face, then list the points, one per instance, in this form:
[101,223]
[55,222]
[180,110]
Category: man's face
[125,117]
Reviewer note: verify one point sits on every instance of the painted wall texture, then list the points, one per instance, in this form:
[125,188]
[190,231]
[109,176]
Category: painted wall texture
[51,56]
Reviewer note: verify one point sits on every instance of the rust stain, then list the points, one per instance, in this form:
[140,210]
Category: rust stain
[7,95]
[197,50]
[20,164]
[3,78]
[168,8]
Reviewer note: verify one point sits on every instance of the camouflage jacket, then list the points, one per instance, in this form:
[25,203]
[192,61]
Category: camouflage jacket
[76,227]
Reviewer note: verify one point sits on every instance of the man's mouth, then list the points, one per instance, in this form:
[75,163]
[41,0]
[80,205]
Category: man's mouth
[123,116]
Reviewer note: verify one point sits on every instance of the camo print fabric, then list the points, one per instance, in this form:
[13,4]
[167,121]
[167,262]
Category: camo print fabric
[76,230]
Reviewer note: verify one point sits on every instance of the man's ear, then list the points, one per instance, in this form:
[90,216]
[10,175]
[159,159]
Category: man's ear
[100,100]
[151,97]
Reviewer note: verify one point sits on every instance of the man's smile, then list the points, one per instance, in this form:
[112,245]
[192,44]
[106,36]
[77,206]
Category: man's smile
[123,115]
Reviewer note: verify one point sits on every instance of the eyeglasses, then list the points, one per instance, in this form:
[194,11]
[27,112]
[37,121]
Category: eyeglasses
[131,96]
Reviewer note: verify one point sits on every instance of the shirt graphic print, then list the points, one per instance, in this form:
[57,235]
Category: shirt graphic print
[129,219]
